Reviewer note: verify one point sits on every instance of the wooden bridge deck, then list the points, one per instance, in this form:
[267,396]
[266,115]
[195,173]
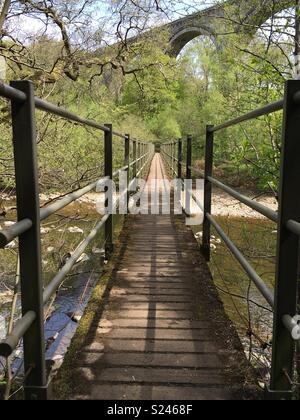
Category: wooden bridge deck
[162,332]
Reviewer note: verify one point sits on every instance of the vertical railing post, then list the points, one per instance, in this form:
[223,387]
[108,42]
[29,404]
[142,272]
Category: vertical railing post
[143,152]
[108,153]
[175,157]
[287,245]
[127,163]
[26,169]
[209,159]
[172,158]
[167,156]
[134,168]
[179,159]
[189,157]
[139,156]
[188,197]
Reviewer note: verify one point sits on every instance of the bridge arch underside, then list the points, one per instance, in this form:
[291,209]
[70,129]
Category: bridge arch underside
[183,37]
[251,15]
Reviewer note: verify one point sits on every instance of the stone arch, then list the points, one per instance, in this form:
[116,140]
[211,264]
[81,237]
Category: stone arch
[183,37]
[251,15]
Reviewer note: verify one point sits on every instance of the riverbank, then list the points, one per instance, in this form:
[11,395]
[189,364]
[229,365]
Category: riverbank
[222,204]
[225,206]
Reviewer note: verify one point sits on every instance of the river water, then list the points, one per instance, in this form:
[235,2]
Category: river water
[243,303]
[60,236]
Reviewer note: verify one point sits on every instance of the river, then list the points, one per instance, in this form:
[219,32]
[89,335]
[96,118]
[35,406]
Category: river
[60,235]
[244,304]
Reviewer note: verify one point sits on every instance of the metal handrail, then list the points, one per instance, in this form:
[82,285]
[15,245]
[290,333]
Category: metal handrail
[67,115]
[121,136]
[250,271]
[293,227]
[284,218]
[58,279]
[31,321]
[11,93]
[173,158]
[143,167]
[170,156]
[266,110]
[11,342]
[283,302]
[254,205]
[9,234]
[287,264]
[68,199]
[260,284]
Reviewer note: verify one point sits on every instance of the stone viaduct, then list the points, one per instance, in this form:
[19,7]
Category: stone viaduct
[243,15]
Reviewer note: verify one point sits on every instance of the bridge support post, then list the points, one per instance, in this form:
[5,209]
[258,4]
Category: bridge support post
[134,160]
[179,175]
[142,160]
[175,154]
[188,195]
[143,153]
[127,163]
[173,158]
[209,158]
[108,156]
[287,245]
[26,169]
[139,156]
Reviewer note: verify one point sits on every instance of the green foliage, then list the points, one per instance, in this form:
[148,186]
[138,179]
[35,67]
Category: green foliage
[165,125]
[157,98]
[223,82]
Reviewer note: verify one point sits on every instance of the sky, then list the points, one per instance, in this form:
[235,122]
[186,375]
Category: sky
[25,27]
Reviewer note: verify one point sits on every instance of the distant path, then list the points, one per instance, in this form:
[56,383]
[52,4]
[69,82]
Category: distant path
[163,333]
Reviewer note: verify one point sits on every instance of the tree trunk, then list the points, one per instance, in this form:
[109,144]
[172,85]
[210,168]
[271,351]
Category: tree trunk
[3,13]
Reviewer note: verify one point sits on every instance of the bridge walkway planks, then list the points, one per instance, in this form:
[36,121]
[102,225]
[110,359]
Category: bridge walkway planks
[162,333]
